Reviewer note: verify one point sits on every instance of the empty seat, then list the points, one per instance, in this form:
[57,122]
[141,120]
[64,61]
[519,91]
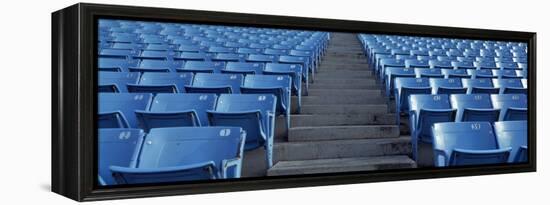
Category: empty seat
[508,73]
[117,147]
[117,53]
[193,56]
[466,143]
[176,110]
[115,64]
[215,83]
[409,86]
[261,58]
[388,62]
[114,82]
[414,63]
[202,67]
[508,65]
[305,65]
[455,73]
[277,85]
[186,153]
[396,72]
[463,65]
[512,106]
[255,113]
[474,107]
[447,86]
[249,50]
[161,83]
[277,52]
[293,70]
[155,55]
[155,65]
[424,111]
[513,134]
[486,64]
[509,86]
[480,85]
[229,57]
[441,64]
[428,73]
[483,73]
[244,68]
[116,110]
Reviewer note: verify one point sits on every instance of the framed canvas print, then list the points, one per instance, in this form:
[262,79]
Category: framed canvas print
[157,101]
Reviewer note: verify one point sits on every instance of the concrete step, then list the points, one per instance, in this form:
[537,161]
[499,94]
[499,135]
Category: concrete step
[343,100]
[290,151]
[340,165]
[341,119]
[342,132]
[344,109]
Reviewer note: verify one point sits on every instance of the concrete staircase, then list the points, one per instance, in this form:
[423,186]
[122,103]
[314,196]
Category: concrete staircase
[344,124]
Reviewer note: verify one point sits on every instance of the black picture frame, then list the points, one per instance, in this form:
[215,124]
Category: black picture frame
[74,100]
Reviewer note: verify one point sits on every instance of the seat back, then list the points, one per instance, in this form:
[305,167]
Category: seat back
[154,82]
[215,83]
[447,86]
[474,107]
[116,81]
[117,110]
[408,86]
[244,68]
[512,106]
[513,134]
[181,146]
[466,143]
[429,109]
[116,64]
[117,147]
[202,66]
[278,85]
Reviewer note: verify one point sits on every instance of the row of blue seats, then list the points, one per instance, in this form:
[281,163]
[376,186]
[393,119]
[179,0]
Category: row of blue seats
[479,143]
[277,85]
[254,113]
[130,156]
[295,71]
[425,110]
[440,85]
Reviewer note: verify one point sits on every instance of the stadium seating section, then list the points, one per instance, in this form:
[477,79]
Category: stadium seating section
[182,102]
[467,98]
[194,92]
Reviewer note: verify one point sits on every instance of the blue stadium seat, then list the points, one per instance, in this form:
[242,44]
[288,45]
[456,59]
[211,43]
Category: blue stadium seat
[474,107]
[243,68]
[277,85]
[255,113]
[261,58]
[447,86]
[440,64]
[115,82]
[396,72]
[117,147]
[215,83]
[155,65]
[463,65]
[408,86]
[161,83]
[388,62]
[191,48]
[306,67]
[483,73]
[278,52]
[455,73]
[155,55]
[117,53]
[512,106]
[513,134]
[414,63]
[221,49]
[186,153]
[176,110]
[480,85]
[508,74]
[508,65]
[249,51]
[466,143]
[428,73]
[486,65]
[424,111]
[202,67]
[193,56]
[293,70]
[226,57]
[510,86]
[116,110]
[119,64]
